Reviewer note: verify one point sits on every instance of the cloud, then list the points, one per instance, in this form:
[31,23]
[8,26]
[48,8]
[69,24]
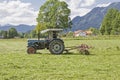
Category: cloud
[79,12]
[16,12]
[104,5]
[79,7]
[86,3]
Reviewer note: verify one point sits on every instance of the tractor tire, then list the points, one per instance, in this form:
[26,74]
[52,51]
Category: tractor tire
[31,50]
[56,47]
[87,52]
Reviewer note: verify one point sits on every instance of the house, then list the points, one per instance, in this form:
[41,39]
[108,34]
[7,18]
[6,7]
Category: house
[82,33]
[79,33]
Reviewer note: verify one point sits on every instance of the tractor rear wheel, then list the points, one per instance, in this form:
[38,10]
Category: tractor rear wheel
[56,47]
[31,50]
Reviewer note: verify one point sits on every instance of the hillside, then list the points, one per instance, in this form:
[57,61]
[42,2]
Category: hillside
[93,18]
[20,28]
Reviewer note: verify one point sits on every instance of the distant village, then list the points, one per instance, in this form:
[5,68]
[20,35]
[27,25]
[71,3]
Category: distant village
[76,33]
[82,33]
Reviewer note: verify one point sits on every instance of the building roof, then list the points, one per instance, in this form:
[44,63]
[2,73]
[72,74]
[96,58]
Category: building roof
[87,32]
[78,31]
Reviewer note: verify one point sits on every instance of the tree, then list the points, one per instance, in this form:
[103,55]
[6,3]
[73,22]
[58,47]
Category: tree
[0,33]
[33,34]
[70,34]
[39,27]
[94,30]
[116,24]
[12,33]
[4,34]
[27,35]
[55,14]
[110,22]
[21,35]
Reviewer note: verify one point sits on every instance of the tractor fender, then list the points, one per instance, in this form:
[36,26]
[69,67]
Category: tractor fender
[57,39]
[31,46]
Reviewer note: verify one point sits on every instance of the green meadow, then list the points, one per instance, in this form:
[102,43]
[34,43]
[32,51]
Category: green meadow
[103,63]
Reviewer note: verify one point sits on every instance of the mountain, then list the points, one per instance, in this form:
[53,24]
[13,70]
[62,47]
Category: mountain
[93,18]
[20,28]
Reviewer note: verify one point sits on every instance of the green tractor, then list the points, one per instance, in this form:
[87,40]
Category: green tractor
[54,44]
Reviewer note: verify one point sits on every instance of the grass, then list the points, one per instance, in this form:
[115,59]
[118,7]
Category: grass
[102,64]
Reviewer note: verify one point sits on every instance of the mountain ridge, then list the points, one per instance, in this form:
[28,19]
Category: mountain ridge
[20,28]
[93,18]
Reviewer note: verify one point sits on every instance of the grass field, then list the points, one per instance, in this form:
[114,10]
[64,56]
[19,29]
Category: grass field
[102,64]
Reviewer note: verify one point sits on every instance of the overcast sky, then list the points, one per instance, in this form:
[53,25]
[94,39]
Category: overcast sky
[25,11]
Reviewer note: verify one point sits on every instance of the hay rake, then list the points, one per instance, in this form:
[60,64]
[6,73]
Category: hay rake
[83,49]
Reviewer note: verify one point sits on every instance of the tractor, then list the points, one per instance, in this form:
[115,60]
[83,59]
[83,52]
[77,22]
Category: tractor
[52,43]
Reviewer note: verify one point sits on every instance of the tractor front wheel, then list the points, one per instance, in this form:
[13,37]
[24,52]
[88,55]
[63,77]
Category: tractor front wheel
[31,50]
[56,47]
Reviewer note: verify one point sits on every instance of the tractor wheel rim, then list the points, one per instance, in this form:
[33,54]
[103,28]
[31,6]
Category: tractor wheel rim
[57,47]
[31,50]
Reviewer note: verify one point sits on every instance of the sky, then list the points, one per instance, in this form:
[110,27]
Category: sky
[17,12]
